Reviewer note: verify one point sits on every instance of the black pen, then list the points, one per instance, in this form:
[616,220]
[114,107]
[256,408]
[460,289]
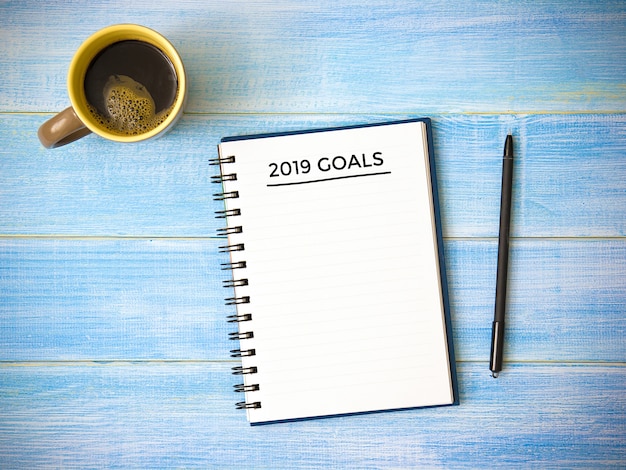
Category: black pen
[497,328]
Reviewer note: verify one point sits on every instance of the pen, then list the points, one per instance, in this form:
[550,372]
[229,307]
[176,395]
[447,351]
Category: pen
[497,327]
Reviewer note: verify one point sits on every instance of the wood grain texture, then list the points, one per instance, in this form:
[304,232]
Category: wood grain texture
[104,299]
[161,415]
[328,57]
[112,299]
[569,176]
[113,349]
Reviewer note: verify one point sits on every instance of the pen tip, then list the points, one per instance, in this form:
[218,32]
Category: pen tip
[495,375]
[508,146]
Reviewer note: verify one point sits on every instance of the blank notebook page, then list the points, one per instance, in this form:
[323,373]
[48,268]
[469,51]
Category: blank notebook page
[342,272]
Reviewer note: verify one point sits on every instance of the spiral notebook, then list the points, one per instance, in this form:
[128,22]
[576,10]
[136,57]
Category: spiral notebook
[338,278]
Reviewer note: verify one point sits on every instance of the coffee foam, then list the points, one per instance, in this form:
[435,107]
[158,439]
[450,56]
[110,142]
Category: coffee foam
[130,108]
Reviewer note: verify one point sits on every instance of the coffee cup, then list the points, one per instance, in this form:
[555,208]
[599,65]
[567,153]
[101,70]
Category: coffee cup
[126,83]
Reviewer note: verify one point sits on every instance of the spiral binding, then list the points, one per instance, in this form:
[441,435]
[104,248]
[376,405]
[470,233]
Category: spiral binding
[242,333]
[240,370]
[228,213]
[222,160]
[240,388]
[242,405]
[235,282]
[239,318]
[230,230]
[236,335]
[227,248]
[242,352]
[222,196]
[237,300]
[222,178]
[231,266]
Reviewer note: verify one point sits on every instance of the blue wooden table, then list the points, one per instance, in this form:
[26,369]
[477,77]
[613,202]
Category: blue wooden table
[113,338]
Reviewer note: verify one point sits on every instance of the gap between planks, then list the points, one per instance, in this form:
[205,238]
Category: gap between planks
[164,362]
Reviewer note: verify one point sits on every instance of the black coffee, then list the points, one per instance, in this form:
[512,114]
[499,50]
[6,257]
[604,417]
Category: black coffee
[131,87]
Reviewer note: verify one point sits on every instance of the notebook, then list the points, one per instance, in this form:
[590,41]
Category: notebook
[338,280]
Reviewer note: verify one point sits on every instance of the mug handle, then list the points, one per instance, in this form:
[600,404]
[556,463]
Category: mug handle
[63,128]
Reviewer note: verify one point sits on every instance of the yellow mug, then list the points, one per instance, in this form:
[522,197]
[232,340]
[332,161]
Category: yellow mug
[126,83]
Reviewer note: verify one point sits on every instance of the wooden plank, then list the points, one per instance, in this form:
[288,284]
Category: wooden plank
[570,176]
[110,298]
[161,415]
[565,299]
[113,349]
[102,299]
[345,57]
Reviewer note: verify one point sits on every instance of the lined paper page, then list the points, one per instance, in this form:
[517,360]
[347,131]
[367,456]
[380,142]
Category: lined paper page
[343,271]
